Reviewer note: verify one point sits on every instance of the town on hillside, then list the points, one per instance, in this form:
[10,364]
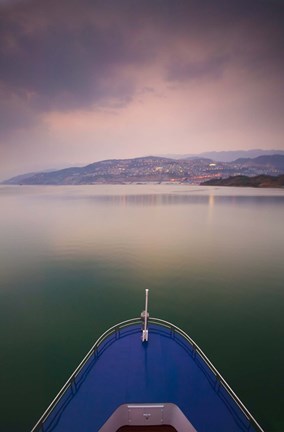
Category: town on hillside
[156,169]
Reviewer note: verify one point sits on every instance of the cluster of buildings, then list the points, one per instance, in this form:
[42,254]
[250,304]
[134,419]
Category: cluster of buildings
[155,169]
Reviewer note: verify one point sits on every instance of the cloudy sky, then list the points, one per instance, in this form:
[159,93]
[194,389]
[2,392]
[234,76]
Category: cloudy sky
[85,80]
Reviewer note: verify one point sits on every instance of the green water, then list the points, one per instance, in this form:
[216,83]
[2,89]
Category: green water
[76,260]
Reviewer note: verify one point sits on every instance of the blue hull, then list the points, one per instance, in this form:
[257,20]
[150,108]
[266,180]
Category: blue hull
[169,369]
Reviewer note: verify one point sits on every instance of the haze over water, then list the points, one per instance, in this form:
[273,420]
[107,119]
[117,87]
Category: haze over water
[76,260]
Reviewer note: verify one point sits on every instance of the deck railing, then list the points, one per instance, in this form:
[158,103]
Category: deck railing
[39,427]
[112,330]
[217,374]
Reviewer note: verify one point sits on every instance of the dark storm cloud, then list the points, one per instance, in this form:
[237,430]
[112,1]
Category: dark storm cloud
[62,63]
[72,54]
[15,113]
[248,35]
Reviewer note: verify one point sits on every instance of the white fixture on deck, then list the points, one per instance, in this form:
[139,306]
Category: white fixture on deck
[148,415]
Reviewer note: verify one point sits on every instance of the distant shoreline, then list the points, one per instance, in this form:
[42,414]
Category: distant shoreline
[237,182]
[157,170]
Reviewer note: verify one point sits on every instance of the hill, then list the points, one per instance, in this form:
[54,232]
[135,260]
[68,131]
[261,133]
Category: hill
[154,169]
[261,181]
[144,169]
[275,161]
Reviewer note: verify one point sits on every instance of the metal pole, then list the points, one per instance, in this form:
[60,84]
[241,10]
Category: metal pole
[145,331]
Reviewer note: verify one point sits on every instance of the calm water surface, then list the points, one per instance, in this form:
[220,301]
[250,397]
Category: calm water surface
[76,260]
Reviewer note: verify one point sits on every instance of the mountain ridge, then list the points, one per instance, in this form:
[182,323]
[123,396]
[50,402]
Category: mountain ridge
[227,155]
[153,169]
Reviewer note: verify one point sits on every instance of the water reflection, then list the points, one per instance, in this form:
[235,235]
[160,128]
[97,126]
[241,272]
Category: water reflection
[165,199]
[212,257]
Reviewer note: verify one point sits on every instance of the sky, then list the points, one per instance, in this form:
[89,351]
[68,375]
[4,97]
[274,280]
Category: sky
[87,80]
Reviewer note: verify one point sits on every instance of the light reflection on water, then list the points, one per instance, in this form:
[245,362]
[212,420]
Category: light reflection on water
[76,260]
